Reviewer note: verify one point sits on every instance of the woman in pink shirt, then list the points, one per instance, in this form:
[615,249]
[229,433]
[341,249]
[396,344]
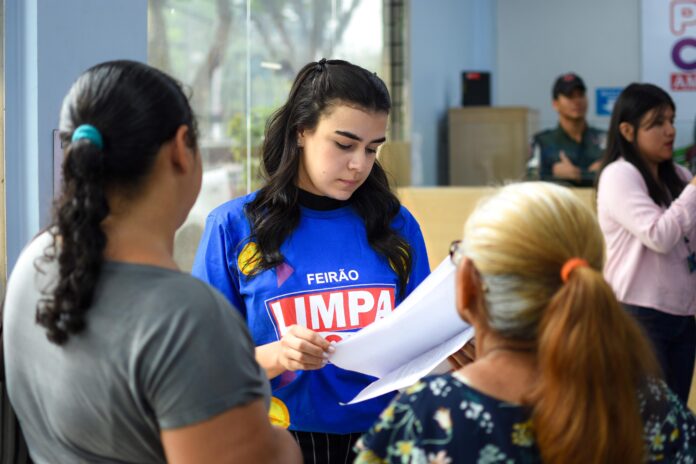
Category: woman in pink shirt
[647,211]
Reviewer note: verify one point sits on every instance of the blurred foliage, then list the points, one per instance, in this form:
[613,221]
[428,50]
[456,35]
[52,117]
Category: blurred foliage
[203,43]
[236,130]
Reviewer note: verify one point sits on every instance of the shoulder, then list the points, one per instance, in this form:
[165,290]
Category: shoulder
[404,220]
[543,135]
[35,249]
[427,400]
[186,299]
[30,272]
[406,215]
[430,391]
[618,170]
[683,173]
[180,312]
[446,401]
[228,222]
[619,177]
[546,132]
[440,416]
[232,210]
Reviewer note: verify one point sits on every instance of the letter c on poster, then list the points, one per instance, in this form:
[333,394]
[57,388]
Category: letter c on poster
[678,52]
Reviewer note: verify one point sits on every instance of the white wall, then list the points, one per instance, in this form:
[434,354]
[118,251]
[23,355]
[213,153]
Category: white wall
[48,43]
[538,40]
[446,37]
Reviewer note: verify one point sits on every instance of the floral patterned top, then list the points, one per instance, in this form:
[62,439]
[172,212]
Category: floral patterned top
[442,420]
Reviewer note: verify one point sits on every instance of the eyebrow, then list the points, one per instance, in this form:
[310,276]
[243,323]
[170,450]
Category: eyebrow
[350,135]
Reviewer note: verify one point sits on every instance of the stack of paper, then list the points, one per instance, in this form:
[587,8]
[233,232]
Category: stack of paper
[402,348]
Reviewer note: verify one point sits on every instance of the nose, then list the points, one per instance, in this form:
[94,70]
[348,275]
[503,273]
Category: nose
[670,128]
[357,161]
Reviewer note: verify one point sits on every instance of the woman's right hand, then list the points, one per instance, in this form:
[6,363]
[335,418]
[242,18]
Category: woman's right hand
[299,349]
[302,349]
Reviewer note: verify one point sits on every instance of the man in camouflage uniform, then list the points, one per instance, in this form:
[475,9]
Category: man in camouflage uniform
[571,152]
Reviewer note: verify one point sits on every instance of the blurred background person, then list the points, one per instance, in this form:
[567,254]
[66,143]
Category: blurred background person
[646,206]
[571,152]
[107,344]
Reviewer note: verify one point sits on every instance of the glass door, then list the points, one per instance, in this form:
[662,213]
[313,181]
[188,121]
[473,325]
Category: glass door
[238,59]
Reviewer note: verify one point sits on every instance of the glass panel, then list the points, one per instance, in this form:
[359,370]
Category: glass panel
[238,58]
[286,34]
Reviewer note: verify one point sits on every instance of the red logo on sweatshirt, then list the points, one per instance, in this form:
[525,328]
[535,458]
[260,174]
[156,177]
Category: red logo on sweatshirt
[332,310]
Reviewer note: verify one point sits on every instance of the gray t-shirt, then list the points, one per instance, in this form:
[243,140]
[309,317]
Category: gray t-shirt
[161,350]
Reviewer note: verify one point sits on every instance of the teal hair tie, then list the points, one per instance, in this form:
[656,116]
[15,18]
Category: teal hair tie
[89,132]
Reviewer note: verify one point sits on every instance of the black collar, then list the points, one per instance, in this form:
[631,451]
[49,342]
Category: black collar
[319,202]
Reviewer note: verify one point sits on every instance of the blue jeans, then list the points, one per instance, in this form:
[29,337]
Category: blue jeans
[674,340]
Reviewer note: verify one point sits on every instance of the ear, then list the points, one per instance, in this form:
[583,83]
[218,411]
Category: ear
[468,290]
[627,131]
[554,104]
[300,137]
[181,155]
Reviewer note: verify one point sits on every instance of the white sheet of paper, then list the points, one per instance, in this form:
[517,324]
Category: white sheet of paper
[411,372]
[423,330]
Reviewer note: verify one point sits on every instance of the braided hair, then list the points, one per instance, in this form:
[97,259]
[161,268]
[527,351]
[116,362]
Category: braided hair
[133,109]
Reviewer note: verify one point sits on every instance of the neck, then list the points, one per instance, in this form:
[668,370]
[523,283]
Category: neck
[502,369]
[319,202]
[573,127]
[506,349]
[140,236]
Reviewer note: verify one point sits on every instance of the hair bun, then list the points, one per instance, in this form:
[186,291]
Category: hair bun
[321,65]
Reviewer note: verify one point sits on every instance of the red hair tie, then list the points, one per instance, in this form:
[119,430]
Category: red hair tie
[570,265]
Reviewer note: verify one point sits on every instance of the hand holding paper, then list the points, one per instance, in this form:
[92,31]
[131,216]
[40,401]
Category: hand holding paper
[422,332]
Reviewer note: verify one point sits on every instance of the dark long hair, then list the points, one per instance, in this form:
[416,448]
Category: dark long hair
[633,104]
[274,213]
[135,108]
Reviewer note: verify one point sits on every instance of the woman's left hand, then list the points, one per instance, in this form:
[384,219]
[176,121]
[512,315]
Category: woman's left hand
[465,355]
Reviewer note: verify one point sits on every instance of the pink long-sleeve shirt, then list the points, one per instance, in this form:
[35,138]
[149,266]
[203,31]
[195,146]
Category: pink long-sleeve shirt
[646,254]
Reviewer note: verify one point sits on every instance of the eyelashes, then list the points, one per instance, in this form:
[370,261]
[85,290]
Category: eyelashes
[349,147]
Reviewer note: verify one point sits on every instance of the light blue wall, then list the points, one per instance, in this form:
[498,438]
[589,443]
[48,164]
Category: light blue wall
[446,38]
[48,43]
[539,39]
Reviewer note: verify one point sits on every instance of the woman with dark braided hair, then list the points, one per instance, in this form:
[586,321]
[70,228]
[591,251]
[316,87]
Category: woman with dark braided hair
[107,343]
[323,249]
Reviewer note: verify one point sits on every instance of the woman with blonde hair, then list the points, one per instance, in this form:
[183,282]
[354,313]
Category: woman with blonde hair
[563,374]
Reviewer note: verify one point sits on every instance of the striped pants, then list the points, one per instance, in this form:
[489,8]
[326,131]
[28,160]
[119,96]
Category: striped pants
[326,448]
